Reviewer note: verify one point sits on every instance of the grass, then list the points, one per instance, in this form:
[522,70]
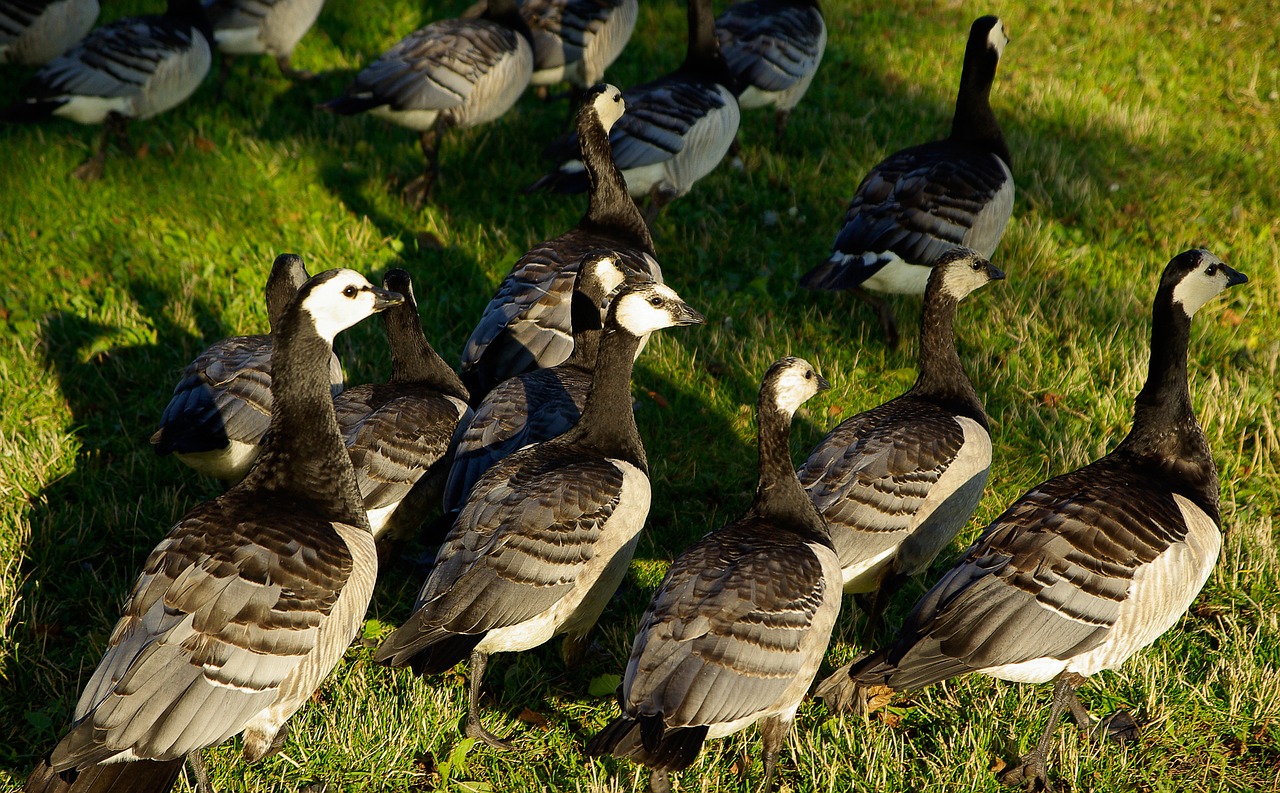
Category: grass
[1138,129]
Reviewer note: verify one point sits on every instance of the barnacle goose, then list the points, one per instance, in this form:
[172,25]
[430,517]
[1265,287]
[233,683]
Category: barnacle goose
[452,73]
[576,40]
[132,68]
[923,200]
[774,48]
[534,406]
[399,432]
[251,598]
[34,32]
[1089,567]
[221,406]
[264,27]
[526,326]
[738,628]
[677,128]
[547,534]
[897,482]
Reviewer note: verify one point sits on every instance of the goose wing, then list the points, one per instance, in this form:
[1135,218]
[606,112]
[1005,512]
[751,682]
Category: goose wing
[228,606]
[224,395]
[116,60]
[771,45]
[661,120]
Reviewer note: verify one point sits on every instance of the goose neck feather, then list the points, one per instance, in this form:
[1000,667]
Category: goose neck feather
[507,14]
[942,379]
[974,121]
[779,495]
[608,424]
[611,208]
[413,360]
[704,57]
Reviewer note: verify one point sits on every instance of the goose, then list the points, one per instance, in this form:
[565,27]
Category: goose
[251,598]
[737,629]
[576,40]
[34,32]
[677,128]
[1088,568]
[221,406]
[898,482]
[546,534]
[526,326]
[264,27]
[534,406]
[452,73]
[132,68]
[773,47]
[921,201]
[398,433]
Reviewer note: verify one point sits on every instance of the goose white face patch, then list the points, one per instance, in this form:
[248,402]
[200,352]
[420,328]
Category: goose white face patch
[1200,285]
[650,308]
[607,272]
[339,303]
[960,279]
[795,386]
[997,38]
[609,106]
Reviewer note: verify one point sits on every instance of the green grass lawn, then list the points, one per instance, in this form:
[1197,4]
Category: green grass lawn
[1138,130]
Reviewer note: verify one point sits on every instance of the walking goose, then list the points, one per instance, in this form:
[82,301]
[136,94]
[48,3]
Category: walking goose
[527,324]
[221,406]
[921,201]
[251,598]
[1089,567]
[773,47]
[896,483]
[398,432]
[576,40]
[534,406]
[132,68]
[264,27]
[34,32]
[677,128]
[738,628]
[452,73]
[547,534]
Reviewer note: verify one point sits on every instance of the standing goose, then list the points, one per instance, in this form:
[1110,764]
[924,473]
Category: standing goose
[921,201]
[264,27]
[534,406]
[527,324]
[1089,567]
[896,483]
[34,32]
[773,47]
[251,598]
[677,128]
[221,406]
[547,534]
[132,68]
[452,73]
[738,628]
[576,40]
[398,432]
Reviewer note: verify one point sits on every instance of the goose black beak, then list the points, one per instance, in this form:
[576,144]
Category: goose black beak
[995,272]
[689,317]
[384,299]
[1234,277]
[823,385]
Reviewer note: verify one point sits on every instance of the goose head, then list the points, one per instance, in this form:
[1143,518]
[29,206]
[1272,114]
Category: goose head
[337,299]
[1194,277]
[645,307]
[959,271]
[789,383]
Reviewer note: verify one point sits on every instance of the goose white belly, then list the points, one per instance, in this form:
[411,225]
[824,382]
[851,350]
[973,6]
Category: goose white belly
[705,145]
[989,224]
[899,277]
[229,464]
[577,611]
[1161,592]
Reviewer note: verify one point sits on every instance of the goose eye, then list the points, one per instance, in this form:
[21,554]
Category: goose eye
[808,375]
[655,301]
[977,266]
[1213,268]
[350,291]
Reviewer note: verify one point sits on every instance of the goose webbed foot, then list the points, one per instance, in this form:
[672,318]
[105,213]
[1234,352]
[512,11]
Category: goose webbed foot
[473,727]
[91,169]
[1119,727]
[286,68]
[659,782]
[1030,773]
[475,730]
[415,193]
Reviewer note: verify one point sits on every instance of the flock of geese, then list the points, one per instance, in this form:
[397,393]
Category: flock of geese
[532,452]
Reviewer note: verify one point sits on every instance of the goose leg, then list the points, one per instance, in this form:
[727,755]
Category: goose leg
[773,731]
[1031,771]
[659,197]
[200,772]
[417,191]
[114,129]
[285,63]
[884,312]
[780,120]
[659,782]
[479,661]
[873,605]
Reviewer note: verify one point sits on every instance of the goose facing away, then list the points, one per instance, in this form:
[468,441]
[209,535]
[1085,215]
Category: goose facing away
[677,128]
[921,201]
[251,598]
[34,32]
[264,27]
[540,405]
[773,47]
[1086,569]
[737,629]
[132,68]
[221,406]
[898,482]
[452,73]
[527,324]
[576,40]
[546,534]
[398,433]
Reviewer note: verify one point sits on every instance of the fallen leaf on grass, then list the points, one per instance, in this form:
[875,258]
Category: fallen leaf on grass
[1229,317]
[658,399]
[143,151]
[878,697]
[1050,399]
[998,765]
[204,144]
[890,719]
[532,717]
[835,410]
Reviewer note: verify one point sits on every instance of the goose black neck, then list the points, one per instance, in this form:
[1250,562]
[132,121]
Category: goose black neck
[586,349]
[704,48]
[942,378]
[304,454]
[779,495]
[974,122]
[412,359]
[507,14]
[611,208]
[608,424]
[1165,432]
